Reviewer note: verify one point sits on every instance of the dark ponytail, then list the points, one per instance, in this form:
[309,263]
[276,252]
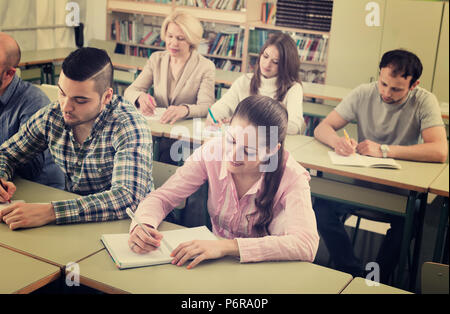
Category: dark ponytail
[271,114]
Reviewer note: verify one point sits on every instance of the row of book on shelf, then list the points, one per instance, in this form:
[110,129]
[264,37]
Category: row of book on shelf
[226,44]
[310,47]
[306,14]
[135,32]
[215,4]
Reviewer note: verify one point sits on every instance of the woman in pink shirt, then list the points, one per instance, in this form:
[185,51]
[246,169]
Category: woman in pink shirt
[259,197]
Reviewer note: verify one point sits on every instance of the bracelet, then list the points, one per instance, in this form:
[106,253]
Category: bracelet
[189,111]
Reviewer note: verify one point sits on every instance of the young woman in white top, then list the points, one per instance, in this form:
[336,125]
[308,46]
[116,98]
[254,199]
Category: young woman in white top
[276,75]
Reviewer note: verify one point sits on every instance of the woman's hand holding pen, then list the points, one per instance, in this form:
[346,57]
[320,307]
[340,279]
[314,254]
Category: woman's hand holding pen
[201,250]
[7,190]
[147,104]
[140,242]
[209,122]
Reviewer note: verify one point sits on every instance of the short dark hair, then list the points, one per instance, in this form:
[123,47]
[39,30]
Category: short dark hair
[90,63]
[403,63]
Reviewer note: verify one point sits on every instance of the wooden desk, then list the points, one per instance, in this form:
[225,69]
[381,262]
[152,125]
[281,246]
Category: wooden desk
[440,187]
[38,57]
[359,286]
[54,244]
[312,90]
[21,274]
[222,276]
[410,183]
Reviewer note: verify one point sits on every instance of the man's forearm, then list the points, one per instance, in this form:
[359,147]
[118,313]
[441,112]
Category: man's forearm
[427,152]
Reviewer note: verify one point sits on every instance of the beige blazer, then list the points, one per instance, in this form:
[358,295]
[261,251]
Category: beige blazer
[195,87]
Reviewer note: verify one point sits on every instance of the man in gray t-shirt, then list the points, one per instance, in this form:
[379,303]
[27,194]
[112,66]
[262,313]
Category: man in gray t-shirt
[392,114]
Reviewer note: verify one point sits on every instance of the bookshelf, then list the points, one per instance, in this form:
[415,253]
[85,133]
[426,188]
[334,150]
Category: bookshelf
[233,32]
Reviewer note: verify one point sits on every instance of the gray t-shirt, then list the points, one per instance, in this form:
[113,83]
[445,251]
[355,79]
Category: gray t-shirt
[399,124]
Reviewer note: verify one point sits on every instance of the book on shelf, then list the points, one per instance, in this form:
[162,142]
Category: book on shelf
[268,10]
[123,257]
[235,5]
[307,14]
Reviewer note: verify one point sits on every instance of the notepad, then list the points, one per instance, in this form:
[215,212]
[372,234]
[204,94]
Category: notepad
[363,161]
[157,114]
[123,257]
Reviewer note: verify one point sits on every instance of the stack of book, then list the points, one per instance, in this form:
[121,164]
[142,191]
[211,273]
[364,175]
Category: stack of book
[305,14]
[215,4]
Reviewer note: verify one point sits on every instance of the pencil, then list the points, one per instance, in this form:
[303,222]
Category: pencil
[346,136]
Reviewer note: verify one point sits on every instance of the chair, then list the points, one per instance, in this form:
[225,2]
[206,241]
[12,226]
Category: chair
[32,75]
[161,173]
[434,278]
[107,45]
[50,90]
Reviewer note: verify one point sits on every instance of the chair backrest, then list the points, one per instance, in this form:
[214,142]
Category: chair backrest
[107,45]
[50,90]
[434,278]
[162,172]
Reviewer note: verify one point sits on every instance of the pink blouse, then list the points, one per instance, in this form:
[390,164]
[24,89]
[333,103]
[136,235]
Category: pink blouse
[292,233]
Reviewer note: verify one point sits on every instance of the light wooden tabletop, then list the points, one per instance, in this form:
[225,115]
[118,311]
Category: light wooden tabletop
[414,176]
[191,130]
[34,57]
[440,185]
[23,274]
[54,244]
[359,286]
[226,275]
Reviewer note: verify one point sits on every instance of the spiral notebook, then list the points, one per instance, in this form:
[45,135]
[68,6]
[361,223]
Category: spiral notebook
[123,257]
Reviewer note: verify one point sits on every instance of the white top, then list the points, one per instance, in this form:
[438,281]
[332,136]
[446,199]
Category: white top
[240,89]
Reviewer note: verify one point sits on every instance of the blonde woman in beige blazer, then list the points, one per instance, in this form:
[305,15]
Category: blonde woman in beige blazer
[182,79]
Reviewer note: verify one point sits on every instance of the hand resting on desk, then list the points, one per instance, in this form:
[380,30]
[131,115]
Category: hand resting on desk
[24,215]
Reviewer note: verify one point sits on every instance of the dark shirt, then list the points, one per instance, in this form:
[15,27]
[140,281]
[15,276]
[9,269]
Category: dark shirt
[19,102]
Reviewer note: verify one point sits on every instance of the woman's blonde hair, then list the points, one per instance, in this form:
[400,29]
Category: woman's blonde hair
[191,27]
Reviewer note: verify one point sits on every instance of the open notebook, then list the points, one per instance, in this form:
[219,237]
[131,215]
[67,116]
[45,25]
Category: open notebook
[363,161]
[123,257]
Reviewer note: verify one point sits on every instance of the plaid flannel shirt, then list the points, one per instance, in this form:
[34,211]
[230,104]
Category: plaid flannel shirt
[111,170]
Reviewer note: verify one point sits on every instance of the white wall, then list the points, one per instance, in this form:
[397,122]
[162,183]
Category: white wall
[95,24]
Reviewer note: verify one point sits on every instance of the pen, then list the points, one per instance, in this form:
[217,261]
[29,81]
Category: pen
[210,113]
[133,217]
[4,188]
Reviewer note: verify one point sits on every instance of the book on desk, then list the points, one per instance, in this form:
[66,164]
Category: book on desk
[363,161]
[123,257]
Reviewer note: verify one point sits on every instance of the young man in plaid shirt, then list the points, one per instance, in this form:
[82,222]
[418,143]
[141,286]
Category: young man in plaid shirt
[102,144]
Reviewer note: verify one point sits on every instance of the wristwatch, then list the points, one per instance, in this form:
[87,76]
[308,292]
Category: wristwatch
[384,150]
